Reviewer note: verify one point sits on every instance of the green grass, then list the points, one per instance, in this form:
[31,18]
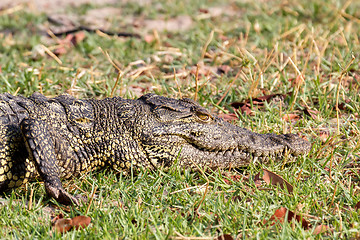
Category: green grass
[256,40]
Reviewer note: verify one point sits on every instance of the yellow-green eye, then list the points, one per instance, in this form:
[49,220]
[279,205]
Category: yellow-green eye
[203,116]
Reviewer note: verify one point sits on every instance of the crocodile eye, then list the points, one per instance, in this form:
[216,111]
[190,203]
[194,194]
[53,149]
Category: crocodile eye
[203,116]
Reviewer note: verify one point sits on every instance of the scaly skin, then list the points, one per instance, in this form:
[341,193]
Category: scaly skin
[63,137]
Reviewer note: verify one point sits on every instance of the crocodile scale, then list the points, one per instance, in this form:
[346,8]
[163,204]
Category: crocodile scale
[63,137]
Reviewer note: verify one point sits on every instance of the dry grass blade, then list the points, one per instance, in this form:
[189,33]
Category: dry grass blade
[51,54]
[211,36]
[11,10]
[228,88]
[120,73]
[206,188]
[338,91]
[196,81]
[297,84]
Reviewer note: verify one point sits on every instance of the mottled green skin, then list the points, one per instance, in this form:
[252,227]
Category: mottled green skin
[63,137]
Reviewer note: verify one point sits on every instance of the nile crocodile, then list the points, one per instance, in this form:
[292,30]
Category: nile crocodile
[63,137]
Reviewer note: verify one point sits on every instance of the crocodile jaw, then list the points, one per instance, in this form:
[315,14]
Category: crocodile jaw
[187,152]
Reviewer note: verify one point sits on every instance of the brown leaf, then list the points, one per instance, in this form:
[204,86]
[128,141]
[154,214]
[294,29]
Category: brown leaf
[79,37]
[274,179]
[69,41]
[228,116]
[149,38]
[305,224]
[291,116]
[60,216]
[246,109]
[63,225]
[280,214]
[225,237]
[80,222]
[320,229]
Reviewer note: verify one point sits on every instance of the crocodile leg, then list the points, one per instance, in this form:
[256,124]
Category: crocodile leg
[41,149]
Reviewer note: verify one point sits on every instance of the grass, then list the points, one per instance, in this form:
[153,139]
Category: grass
[310,49]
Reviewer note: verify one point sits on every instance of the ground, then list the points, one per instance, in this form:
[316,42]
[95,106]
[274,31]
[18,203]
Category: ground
[269,66]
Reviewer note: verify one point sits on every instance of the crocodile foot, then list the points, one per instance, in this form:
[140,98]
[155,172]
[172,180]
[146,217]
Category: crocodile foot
[63,197]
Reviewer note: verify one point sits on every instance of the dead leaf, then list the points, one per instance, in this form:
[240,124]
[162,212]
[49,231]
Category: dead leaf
[291,116]
[225,237]
[149,38]
[274,179]
[69,41]
[53,220]
[246,109]
[80,222]
[62,225]
[79,37]
[320,229]
[280,214]
[228,116]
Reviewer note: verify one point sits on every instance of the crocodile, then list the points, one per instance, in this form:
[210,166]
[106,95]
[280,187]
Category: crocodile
[52,139]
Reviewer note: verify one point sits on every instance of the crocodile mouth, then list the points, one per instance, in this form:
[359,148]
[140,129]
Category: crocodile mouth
[217,154]
[235,157]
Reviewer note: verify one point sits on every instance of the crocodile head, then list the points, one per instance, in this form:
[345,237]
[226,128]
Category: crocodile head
[183,131]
